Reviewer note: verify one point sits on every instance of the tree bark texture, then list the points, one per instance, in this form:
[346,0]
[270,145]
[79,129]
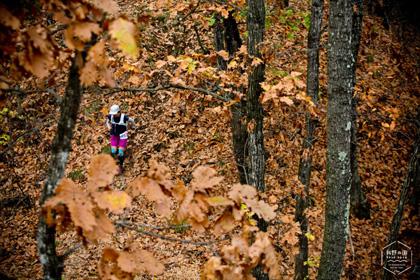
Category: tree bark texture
[359,204]
[312,85]
[51,263]
[411,178]
[255,141]
[227,37]
[339,122]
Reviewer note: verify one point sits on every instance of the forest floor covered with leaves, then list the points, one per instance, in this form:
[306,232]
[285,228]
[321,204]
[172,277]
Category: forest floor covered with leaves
[183,130]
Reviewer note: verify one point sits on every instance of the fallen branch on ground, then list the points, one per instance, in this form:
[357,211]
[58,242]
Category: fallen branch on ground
[166,87]
[164,237]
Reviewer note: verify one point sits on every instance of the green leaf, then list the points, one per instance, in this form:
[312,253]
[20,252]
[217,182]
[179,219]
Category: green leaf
[4,138]
[307,21]
[212,20]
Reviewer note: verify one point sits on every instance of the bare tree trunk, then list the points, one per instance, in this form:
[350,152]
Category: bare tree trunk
[52,264]
[254,110]
[359,205]
[255,142]
[412,177]
[282,3]
[312,85]
[227,34]
[339,122]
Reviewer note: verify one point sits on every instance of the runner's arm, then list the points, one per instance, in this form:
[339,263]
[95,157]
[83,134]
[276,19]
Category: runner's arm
[108,124]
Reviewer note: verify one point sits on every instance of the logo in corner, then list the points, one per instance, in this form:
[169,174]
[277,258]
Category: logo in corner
[396,258]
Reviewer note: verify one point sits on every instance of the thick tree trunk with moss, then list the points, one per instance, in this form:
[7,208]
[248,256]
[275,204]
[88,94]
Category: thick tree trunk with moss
[312,85]
[52,264]
[359,204]
[339,122]
[255,141]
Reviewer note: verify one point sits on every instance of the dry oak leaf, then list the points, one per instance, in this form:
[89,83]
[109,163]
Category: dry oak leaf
[204,178]
[152,191]
[97,53]
[248,195]
[124,32]
[263,248]
[139,261]
[179,190]
[77,202]
[38,54]
[261,208]
[89,74]
[239,192]
[108,6]
[224,223]
[103,228]
[212,268]
[194,208]
[84,30]
[101,171]
[115,201]
[224,54]
[108,268]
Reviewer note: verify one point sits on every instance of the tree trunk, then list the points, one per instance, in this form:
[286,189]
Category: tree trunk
[312,85]
[228,34]
[412,177]
[254,110]
[255,141]
[339,121]
[359,204]
[282,3]
[52,264]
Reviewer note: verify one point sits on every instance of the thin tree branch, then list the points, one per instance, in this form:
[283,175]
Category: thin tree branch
[193,10]
[202,90]
[200,42]
[165,87]
[10,145]
[171,226]
[71,251]
[164,237]
[25,92]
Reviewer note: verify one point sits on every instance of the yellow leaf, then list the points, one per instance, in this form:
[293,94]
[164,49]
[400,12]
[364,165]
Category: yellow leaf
[115,201]
[232,64]
[310,236]
[219,201]
[124,32]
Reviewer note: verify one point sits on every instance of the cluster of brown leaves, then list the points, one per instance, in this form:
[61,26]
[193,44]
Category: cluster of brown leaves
[86,210]
[195,206]
[238,259]
[38,51]
[196,203]
[125,264]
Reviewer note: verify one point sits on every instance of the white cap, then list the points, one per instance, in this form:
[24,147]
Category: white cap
[114,109]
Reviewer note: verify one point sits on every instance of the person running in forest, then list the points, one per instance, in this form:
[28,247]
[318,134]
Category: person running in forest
[117,123]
